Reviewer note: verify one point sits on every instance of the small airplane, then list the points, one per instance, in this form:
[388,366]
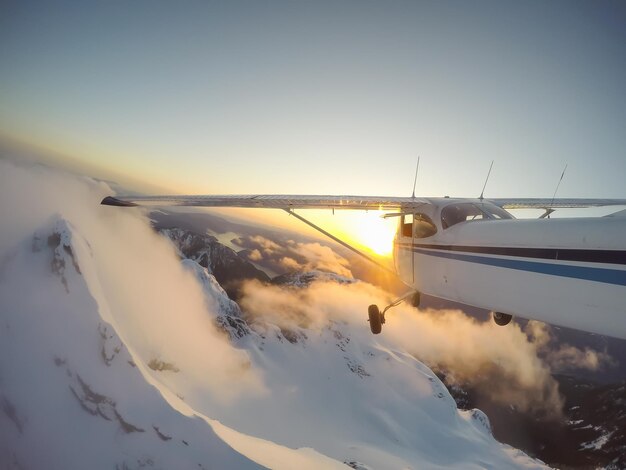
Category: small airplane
[569,272]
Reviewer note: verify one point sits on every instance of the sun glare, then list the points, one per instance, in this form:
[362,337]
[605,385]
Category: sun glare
[365,230]
[375,233]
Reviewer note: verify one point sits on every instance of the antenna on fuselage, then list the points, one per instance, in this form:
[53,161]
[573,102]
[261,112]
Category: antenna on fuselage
[549,210]
[485,185]
[415,179]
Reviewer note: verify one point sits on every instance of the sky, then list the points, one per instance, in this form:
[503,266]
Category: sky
[324,97]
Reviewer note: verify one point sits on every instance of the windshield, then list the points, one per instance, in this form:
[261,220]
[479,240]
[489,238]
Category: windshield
[495,212]
[466,211]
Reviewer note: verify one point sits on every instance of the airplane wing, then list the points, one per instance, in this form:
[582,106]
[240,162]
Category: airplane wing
[291,201]
[272,201]
[561,203]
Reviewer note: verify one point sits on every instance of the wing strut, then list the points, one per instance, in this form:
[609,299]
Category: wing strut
[341,242]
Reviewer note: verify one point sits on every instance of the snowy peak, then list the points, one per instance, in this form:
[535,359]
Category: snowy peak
[193,246]
[224,263]
[76,397]
[56,239]
[228,315]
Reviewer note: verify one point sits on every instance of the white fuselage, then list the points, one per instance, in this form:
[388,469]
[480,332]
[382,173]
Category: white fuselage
[568,272]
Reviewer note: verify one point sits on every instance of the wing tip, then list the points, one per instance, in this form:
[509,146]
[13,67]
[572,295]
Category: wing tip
[112,201]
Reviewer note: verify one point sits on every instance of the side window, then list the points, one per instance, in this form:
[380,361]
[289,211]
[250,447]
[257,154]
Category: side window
[457,213]
[422,226]
[417,225]
[407,225]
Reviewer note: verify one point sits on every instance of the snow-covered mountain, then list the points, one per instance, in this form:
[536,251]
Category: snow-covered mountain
[225,264]
[591,433]
[110,358]
[72,394]
[596,424]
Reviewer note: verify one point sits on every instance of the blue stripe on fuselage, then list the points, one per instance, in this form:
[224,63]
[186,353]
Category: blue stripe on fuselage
[607,276]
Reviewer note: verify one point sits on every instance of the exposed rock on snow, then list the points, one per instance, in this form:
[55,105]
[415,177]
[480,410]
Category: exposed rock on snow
[304,279]
[224,263]
[59,241]
[160,366]
[227,313]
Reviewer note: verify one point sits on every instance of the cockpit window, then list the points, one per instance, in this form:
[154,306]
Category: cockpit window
[422,226]
[457,213]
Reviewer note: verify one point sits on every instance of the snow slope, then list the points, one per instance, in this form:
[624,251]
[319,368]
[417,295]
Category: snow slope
[72,394]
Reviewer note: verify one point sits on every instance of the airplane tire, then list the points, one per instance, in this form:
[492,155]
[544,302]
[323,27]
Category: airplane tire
[501,319]
[375,319]
[416,299]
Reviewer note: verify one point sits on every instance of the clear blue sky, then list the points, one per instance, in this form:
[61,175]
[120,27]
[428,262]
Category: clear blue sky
[325,97]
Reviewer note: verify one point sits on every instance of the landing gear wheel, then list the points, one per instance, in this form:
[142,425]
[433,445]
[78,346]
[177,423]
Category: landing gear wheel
[375,319]
[501,319]
[416,299]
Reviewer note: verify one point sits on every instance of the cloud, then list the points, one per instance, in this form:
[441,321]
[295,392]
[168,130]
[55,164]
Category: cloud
[290,264]
[506,364]
[268,246]
[293,256]
[564,357]
[156,306]
[255,255]
[568,357]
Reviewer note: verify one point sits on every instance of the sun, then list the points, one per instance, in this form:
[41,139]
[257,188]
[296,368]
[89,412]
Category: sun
[375,232]
[366,231]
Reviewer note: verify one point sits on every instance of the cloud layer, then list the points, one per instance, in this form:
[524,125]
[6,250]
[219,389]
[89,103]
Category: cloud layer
[505,363]
[293,255]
